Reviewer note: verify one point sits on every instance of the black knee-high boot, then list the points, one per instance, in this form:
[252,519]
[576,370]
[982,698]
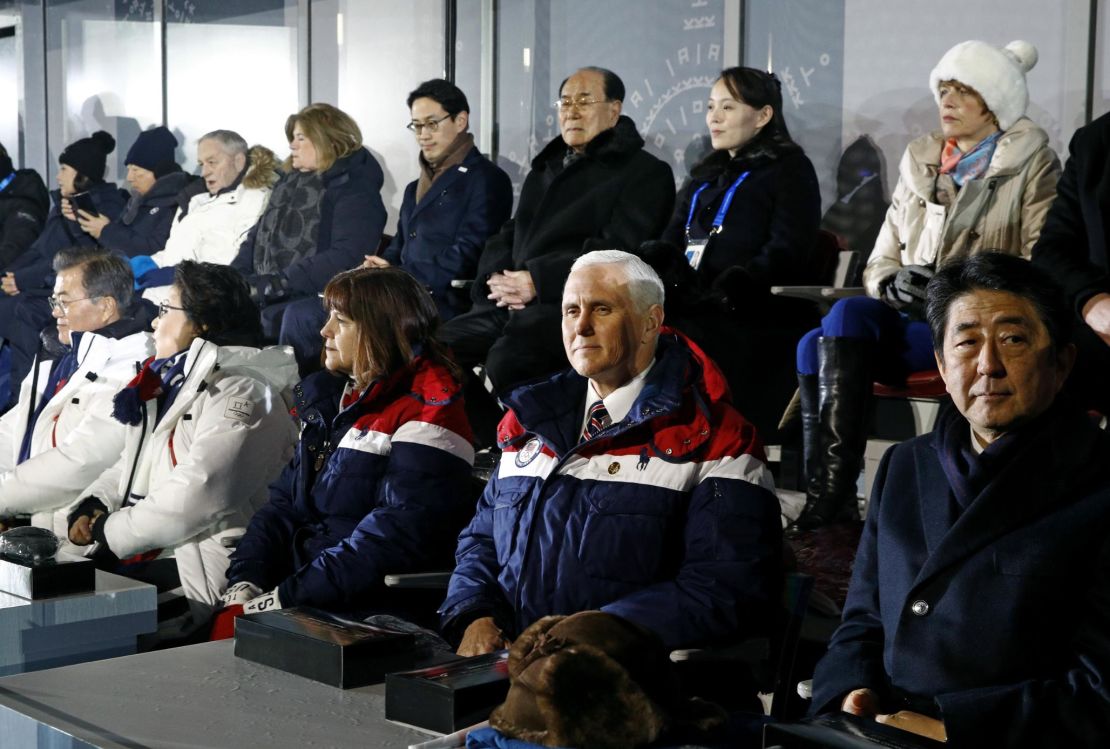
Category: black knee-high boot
[810,406]
[844,391]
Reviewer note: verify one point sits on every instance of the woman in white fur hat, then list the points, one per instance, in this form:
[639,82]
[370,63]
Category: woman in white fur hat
[984,182]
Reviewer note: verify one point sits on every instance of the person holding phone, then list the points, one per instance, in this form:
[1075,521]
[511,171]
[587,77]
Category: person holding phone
[28,281]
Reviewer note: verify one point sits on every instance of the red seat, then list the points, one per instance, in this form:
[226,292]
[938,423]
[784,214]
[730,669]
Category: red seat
[924,384]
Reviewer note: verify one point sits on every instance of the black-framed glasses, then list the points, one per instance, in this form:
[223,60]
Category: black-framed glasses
[165,307]
[432,125]
[63,304]
[567,104]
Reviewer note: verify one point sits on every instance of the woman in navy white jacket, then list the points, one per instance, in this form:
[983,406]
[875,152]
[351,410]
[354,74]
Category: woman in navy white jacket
[378,484]
[209,429]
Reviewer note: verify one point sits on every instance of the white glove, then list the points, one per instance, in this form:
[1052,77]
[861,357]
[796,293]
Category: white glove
[266,602]
[240,593]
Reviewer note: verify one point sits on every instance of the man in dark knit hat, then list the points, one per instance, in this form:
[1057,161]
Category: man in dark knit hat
[155,180]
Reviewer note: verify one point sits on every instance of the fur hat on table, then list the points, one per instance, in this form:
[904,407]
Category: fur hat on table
[595,680]
[997,74]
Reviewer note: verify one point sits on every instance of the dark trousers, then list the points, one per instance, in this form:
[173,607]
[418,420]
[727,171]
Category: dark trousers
[1088,380]
[22,319]
[301,321]
[513,346]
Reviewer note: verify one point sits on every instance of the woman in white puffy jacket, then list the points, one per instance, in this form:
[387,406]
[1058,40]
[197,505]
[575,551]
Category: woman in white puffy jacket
[210,429]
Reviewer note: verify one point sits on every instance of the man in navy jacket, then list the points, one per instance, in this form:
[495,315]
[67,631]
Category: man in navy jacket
[979,608]
[629,485]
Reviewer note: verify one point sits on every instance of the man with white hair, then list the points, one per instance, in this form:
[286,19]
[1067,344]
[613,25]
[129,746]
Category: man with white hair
[629,484]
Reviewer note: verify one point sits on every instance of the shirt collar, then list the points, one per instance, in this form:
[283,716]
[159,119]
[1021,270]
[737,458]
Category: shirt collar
[619,402]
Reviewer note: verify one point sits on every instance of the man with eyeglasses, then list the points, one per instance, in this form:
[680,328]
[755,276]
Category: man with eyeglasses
[61,434]
[593,187]
[447,214]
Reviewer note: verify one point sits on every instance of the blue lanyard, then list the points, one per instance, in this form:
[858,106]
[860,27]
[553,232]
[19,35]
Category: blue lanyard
[7,181]
[719,219]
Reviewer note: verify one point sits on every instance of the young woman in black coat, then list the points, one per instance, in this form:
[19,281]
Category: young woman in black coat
[747,220]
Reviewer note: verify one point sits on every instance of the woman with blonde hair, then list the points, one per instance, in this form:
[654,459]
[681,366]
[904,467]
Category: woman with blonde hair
[324,216]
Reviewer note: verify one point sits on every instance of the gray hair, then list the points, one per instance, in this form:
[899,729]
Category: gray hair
[644,285]
[104,274]
[231,141]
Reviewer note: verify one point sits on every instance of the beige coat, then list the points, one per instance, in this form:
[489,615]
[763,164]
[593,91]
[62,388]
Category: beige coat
[1004,210]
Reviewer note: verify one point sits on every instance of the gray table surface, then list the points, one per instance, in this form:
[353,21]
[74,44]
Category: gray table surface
[197,696]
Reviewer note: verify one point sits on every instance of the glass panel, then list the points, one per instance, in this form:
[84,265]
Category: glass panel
[232,66]
[667,54]
[103,73]
[366,59]
[9,82]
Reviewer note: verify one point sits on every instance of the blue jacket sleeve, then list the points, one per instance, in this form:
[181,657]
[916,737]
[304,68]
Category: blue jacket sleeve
[264,554]
[729,582]
[419,502]
[474,590]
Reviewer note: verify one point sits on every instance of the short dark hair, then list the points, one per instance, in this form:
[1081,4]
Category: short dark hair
[447,94]
[396,318]
[218,303]
[103,274]
[997,271]
[612,85]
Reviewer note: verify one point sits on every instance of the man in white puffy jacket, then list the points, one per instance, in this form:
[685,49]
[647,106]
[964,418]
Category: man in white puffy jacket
[211,225]
[61,435]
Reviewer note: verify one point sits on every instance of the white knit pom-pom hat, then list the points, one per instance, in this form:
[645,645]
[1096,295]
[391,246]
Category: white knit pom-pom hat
[997,74]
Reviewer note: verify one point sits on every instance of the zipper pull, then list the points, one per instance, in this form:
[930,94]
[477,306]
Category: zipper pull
[325,451]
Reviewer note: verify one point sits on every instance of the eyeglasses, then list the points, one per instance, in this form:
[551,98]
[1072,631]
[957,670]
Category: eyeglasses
[58,304]
[432,125]
[577,104]
[165,307]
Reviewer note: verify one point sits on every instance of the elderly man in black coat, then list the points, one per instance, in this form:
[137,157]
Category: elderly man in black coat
[1074,248]
[592,188]
[979,608]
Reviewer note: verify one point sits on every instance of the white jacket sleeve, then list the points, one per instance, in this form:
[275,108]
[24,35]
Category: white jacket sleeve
[229,458]
[53,478]
[180,240]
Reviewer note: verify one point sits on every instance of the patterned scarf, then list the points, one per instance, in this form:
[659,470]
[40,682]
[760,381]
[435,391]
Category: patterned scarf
[288,228]
[971,165]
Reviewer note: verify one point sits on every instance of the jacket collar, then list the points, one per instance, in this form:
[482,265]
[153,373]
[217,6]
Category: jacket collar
[921,163]
[609,146]
[448,178]
[675,401]
[1058,457]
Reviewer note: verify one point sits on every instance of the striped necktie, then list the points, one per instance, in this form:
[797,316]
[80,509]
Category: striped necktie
[597,420]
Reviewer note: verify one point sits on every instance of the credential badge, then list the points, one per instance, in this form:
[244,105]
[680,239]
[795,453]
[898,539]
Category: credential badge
[528,453]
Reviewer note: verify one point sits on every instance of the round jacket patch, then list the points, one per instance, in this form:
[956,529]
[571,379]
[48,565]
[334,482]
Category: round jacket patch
[528,453]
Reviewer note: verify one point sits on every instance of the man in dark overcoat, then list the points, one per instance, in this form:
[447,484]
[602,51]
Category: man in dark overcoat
[979,608]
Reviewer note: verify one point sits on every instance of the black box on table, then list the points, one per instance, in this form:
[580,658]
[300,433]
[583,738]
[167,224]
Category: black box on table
[322,647]
[46,578]
[448,697]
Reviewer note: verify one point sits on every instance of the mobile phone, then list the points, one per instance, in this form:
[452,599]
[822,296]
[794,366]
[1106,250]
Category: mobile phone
[83,201]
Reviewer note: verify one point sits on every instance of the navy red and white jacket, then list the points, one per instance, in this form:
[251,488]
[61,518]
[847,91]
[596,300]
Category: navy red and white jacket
[377,487]
[666,518]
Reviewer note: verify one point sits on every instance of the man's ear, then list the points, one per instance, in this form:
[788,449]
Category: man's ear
[940,364]
[462,119]
[240,161]
[653,321]
[1065,361]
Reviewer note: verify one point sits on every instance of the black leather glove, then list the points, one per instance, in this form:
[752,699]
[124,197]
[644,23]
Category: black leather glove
[905,290]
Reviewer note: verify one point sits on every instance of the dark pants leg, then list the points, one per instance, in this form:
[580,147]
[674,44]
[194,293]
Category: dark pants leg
[300,328]
[30,316]
[530,346]
[470,336]
[1088,381]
